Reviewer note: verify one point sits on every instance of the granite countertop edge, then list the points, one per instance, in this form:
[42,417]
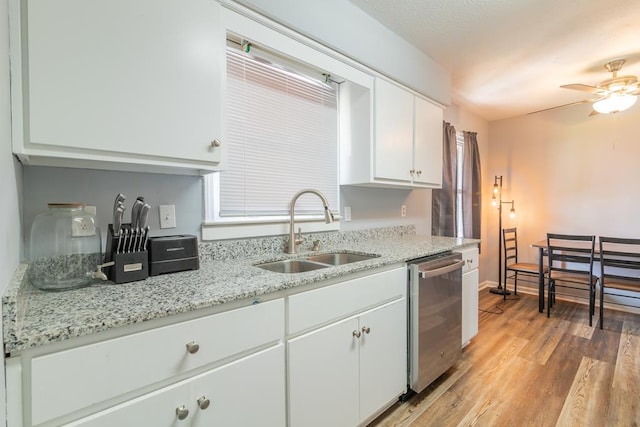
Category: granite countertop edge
[33,318]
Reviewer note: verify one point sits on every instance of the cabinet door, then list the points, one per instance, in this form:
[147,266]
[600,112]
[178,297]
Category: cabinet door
[247,392]
[469,305]
[427,161]
[323,376]
[393,132]
[383,356]
[140,78]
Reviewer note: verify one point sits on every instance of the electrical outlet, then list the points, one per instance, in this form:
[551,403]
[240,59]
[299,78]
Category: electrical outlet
[167,216]
[82,227]
[403,211]
[347,213]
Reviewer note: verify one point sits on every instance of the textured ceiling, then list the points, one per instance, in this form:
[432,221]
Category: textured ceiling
[509,57]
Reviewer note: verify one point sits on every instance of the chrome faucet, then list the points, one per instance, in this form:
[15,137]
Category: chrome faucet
[328,217]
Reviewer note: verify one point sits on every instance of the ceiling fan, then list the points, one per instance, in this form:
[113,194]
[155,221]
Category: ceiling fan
[615,94]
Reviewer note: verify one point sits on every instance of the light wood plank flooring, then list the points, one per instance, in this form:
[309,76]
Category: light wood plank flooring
[523,369]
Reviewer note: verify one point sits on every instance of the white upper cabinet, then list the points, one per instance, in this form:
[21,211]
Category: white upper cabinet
[427,144]
[393,132]
[399,142]
[118,84]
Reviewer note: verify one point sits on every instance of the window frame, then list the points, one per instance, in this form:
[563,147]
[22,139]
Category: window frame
[289,44]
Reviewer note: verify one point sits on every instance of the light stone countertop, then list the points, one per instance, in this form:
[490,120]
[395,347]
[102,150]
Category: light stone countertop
[33,318]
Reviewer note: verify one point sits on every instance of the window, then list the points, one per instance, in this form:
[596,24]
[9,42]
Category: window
[281,135]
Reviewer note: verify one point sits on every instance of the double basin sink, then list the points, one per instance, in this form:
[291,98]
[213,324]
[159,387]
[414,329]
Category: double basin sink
[315,262]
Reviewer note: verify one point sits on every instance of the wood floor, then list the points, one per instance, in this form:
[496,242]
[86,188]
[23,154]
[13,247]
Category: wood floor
[523,369]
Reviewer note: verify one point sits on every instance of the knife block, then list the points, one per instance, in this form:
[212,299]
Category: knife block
[128,266]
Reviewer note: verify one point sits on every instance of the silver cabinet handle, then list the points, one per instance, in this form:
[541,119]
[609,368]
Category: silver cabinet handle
[203,403]
[419,173]
[216,143]
[412,171]
[356,333]
[182,412]
[193,347]
[366,329]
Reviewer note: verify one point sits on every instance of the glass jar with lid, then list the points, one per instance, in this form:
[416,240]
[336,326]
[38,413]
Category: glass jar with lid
[64,247]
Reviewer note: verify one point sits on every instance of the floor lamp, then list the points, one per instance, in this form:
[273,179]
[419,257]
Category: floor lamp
[496,201]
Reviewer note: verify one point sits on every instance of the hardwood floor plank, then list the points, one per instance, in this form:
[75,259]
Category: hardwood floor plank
[523,369]
[624,408]
[587,402]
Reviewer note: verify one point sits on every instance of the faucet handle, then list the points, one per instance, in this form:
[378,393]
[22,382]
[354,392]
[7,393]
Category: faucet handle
[299,238]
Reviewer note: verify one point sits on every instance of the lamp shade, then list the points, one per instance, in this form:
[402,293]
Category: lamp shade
[614,103]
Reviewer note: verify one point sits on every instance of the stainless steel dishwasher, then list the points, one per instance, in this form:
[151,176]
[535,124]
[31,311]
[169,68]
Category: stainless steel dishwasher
[435,317]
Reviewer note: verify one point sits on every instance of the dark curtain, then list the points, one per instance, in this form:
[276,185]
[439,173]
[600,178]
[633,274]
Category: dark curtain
[443,206]
[472,190]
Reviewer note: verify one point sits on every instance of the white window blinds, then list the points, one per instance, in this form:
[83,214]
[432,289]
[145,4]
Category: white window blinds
[281,137]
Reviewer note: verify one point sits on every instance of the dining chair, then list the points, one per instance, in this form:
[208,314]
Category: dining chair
[570,263]
[511,263]
[619,269]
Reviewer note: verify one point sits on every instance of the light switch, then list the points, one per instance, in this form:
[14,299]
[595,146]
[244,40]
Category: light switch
[167,216]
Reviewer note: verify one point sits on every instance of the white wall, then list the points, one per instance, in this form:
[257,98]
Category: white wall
[568,173]
[347,29]
[10,184]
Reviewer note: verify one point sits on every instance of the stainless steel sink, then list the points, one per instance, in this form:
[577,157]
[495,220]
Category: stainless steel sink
[340,258]
[292,266]
[315,262]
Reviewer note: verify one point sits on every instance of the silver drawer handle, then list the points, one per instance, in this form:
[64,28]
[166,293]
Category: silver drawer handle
[182,412]
[203,403]
[366,329]
[193,347]
[356,333]
[216,143]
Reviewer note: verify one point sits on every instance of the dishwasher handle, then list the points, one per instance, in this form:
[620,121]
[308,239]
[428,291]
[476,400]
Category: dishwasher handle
[425,274]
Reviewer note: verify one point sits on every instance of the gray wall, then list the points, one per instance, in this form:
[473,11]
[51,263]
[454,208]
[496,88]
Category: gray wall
[99,188]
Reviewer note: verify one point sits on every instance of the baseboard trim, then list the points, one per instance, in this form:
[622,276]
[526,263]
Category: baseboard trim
[531,290]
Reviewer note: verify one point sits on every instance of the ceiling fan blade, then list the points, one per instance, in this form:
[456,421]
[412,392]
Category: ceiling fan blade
[585,88]
[560,106]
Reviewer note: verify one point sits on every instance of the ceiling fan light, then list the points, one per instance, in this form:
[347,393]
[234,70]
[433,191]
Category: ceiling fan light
[614,103]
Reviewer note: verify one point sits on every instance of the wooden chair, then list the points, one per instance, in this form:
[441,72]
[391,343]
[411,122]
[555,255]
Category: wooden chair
[570,263]
[511,263]
[619,269]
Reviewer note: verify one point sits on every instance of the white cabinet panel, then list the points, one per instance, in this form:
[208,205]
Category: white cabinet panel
[383,356]
[332,302]
[353,367]
[427,156]
[405,149]
[69,380]
[247,392]
[122,81]
[469,305]
[323,376]
[393,131]
[470,280]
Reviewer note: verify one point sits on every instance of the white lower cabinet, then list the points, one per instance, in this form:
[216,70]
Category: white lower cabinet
[235,359]
[343,373]
[246,392]
[470,280]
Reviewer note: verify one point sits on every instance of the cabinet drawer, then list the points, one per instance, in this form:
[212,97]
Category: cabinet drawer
[246,392]
[470,256]
[73,379]
[332,302]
